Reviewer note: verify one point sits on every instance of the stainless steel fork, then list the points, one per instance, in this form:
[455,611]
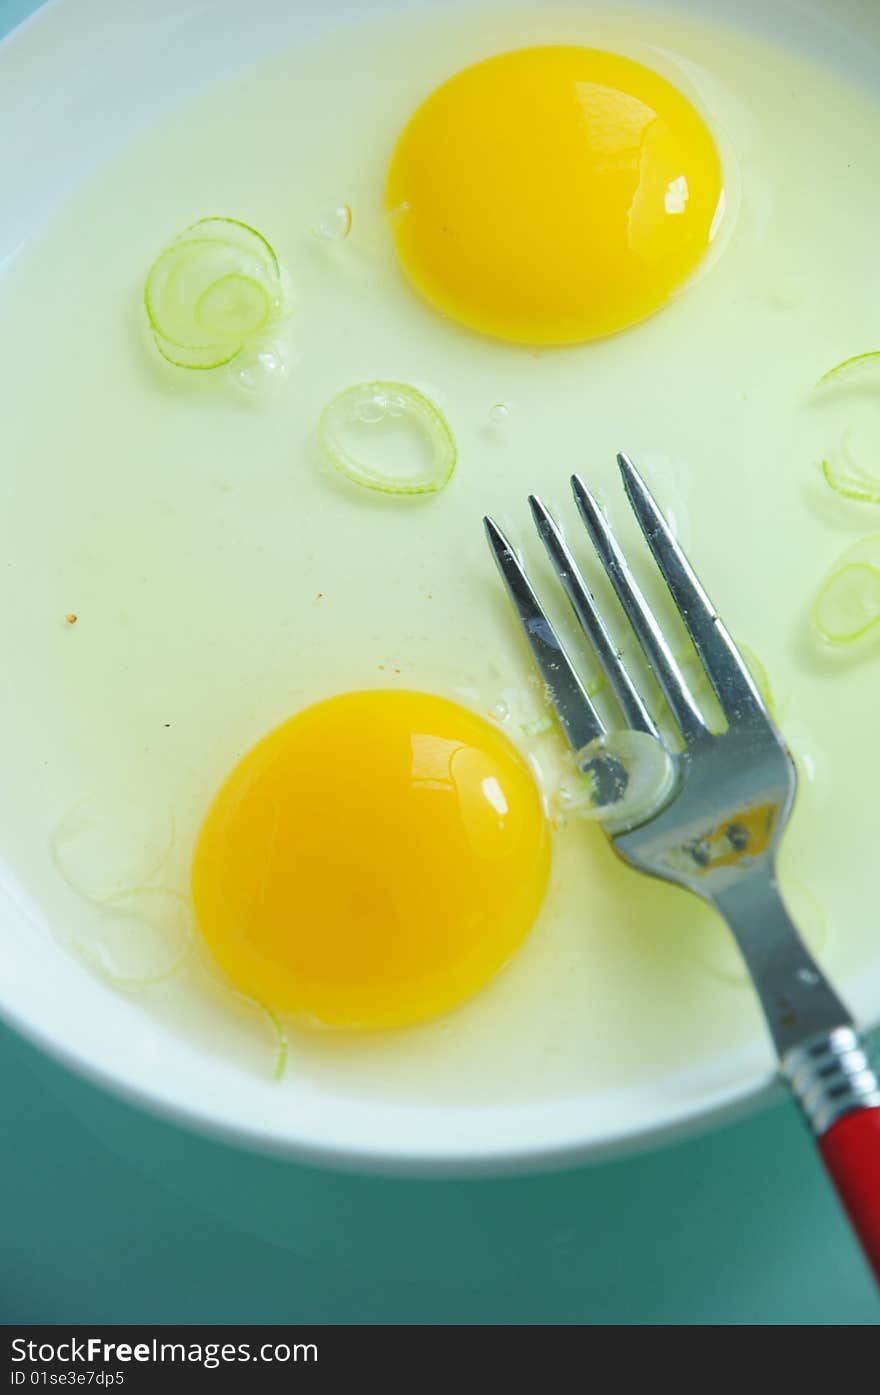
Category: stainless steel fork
[718,829]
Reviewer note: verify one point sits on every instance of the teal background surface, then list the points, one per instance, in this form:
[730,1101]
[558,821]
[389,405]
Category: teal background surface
[110,1215]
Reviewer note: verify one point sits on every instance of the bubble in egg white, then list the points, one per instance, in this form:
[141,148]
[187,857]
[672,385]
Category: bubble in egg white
[379,406]
[334,224]
[259,370]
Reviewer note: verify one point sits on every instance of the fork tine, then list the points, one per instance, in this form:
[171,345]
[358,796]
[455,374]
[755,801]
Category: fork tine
[725,667]
[631,705]
[579,718]
[640,616]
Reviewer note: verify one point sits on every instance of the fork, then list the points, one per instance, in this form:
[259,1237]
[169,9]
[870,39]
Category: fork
[719,824]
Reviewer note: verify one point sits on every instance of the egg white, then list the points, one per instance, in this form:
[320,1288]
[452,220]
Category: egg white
[223,577]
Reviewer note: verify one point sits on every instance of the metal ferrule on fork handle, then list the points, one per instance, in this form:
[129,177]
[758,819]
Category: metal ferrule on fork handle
[831,1076]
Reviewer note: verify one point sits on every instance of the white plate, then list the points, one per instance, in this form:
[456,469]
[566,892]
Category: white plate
[78,82]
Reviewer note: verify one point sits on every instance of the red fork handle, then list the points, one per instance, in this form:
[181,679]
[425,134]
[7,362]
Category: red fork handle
[850,1149]
[837,1087]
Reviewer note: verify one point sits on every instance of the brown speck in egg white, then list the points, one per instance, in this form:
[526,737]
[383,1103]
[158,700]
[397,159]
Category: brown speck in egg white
[319,596]
[71,618]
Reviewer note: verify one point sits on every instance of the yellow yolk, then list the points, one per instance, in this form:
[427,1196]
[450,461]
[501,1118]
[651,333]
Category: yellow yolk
[553,195]
[372,862]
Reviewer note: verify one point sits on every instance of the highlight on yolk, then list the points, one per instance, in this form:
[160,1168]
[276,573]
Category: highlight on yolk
[372,862]
[553,195]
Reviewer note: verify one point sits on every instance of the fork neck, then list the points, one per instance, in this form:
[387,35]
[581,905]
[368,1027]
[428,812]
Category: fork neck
[798,1001]
[820,1053]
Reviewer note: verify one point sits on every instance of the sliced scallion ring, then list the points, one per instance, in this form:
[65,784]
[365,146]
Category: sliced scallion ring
[847,605]
[234,306]
[236,234]
[205,356]
[211,974]
[282,1044]
[388,437]
[141,940]
[206,290]
[211,292]
[850,478]
[850,366]
[853,481]
[622,778]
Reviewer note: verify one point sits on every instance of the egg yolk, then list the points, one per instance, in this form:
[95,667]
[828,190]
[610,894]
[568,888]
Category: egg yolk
[372,862]
[553,195]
